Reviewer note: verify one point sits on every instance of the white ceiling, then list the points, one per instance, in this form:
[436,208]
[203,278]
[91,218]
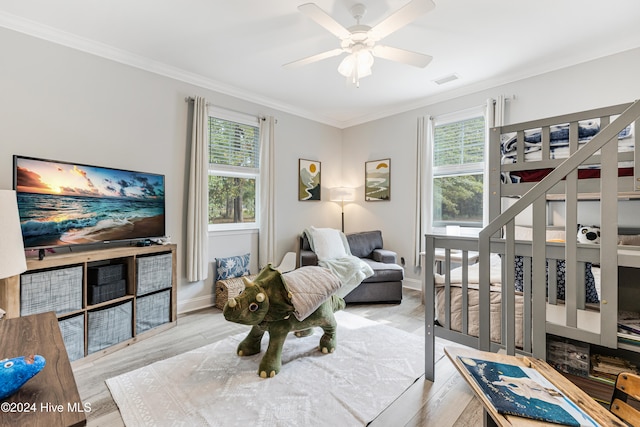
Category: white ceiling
[238,47]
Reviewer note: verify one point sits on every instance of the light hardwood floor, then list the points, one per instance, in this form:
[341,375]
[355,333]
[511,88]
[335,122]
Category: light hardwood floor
[446,402]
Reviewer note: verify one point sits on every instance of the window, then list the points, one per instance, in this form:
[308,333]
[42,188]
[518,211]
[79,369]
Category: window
[234,170]
[458,172]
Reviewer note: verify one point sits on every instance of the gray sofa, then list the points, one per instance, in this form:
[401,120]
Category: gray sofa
[386,283]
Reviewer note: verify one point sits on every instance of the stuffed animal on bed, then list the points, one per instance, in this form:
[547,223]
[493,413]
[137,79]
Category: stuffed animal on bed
[588,234]
[280,303]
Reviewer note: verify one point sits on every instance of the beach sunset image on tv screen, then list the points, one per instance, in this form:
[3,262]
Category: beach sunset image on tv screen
[65,203]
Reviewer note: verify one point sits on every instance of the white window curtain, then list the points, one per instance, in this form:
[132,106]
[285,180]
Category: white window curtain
[495,111]
[423,203]
[494,116]
[198,201]
[267,237]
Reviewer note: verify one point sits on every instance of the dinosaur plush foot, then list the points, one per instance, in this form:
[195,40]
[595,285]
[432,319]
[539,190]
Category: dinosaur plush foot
[264,374]
[251,344]
[303,333]
[327,343]
[268,370]
[247,350]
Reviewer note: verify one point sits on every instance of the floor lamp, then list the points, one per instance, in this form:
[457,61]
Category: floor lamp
[12,259]
[342,194]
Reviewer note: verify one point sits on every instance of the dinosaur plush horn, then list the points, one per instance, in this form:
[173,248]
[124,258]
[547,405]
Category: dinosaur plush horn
[247,283]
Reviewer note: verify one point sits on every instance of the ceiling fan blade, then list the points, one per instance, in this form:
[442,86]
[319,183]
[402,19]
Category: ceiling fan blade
[400,55]
[324,20]
[401,17]
[314,58]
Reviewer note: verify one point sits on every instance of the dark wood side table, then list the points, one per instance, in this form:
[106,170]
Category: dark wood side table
[50,398]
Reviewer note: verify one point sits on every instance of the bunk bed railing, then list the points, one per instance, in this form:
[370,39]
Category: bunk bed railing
[536,199]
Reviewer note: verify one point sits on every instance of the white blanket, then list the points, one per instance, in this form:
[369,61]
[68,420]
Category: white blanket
[332,248]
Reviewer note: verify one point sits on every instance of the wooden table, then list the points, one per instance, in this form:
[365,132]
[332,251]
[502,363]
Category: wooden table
[51,397]
[570,390]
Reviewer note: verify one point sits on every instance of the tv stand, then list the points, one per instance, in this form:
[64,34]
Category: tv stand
[54,387]
[94,319]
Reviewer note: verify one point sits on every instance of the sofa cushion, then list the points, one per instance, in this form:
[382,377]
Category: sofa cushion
[384,272]
[384,255]
[362,244]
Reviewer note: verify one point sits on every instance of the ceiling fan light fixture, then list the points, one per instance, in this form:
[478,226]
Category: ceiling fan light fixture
[360,41]
[347,65]
[358,63]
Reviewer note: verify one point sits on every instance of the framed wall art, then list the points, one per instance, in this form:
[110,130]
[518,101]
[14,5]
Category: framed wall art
[308,180]
[377,180]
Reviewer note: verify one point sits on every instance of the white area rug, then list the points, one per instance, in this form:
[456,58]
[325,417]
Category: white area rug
[211,386]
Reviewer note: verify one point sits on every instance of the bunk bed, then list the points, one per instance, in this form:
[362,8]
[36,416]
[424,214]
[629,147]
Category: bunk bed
[511,299]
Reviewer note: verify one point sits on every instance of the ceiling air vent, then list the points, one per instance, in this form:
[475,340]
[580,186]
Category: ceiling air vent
[447,79]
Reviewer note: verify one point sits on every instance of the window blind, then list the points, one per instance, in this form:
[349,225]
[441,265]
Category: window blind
[233,144]
[459,143]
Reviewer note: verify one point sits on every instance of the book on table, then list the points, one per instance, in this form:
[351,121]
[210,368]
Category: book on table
[524,392]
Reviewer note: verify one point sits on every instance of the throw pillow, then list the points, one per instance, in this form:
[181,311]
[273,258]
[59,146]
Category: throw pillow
[230,267]
[327,243]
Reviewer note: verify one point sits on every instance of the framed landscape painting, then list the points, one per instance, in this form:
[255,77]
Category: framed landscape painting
[308,180]
[377,180]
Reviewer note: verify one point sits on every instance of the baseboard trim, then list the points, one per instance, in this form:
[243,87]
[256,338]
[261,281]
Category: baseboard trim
[412,284]
[195,304]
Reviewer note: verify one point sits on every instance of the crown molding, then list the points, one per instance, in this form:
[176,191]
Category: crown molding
[491,83]
[102,50]
[92,47]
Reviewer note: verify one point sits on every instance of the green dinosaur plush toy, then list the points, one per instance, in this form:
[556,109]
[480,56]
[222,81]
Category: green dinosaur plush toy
[268,304]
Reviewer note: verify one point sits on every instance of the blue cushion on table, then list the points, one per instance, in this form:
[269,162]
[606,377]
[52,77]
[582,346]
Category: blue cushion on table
[230,267]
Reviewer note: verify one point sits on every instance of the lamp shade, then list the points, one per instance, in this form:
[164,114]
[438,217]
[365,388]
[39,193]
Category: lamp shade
[342,194]
[12,259]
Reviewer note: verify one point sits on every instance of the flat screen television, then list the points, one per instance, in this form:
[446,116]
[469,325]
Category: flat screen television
[63,204]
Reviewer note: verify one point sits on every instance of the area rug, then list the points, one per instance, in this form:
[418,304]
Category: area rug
[211,386]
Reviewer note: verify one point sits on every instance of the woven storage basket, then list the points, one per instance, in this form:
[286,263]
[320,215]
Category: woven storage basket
[109,326]
[229,288]
[154,273]
[58,290]
[153,310]
[72,329]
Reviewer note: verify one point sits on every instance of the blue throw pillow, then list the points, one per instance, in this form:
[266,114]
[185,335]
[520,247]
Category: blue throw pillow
[230,267]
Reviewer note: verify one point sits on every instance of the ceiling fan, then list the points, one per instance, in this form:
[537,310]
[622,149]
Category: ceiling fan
[360,41]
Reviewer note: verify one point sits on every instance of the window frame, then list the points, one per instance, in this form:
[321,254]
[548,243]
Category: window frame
[215,169]
[474,168]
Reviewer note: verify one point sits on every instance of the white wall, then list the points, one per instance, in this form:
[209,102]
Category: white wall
[607,81]
[63,104]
